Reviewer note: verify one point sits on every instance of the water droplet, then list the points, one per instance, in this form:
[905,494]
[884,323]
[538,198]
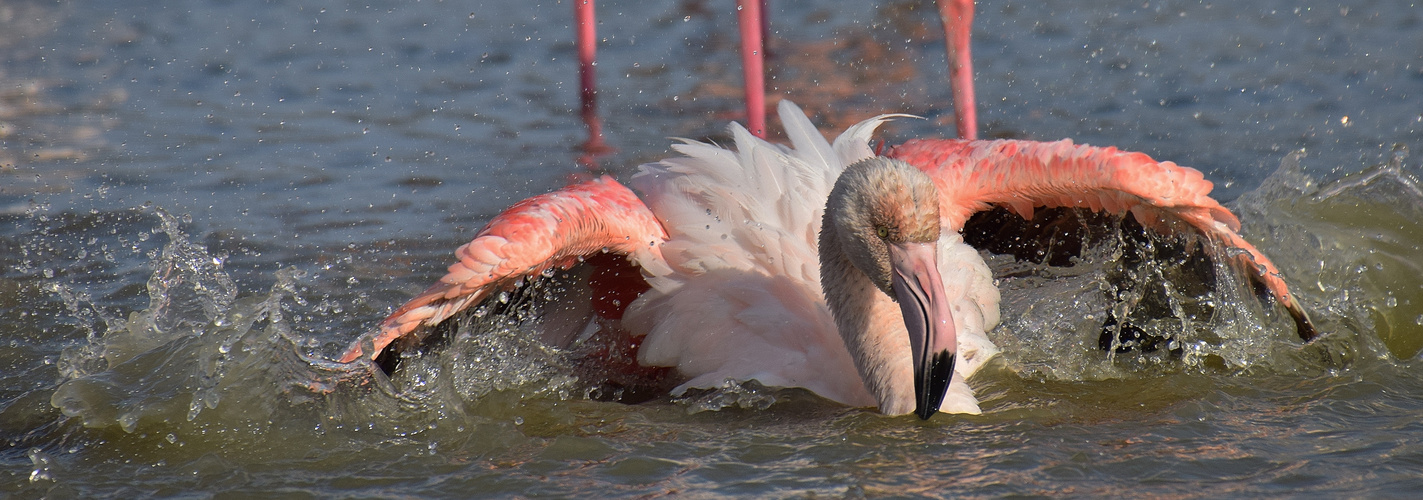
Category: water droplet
[518,420]
[128,422]
[42,463]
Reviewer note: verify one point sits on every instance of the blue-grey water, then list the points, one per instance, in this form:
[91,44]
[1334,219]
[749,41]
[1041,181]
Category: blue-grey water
[201,202]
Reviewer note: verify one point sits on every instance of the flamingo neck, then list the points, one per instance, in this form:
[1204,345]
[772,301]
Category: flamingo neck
[870,324]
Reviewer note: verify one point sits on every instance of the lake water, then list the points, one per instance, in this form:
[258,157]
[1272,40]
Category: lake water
[202,201]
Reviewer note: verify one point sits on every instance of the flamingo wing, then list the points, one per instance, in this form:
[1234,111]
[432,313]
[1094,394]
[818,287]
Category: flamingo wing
[548,231]
[1020,175]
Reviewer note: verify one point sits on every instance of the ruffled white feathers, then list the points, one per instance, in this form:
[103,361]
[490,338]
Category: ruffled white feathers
[743,299]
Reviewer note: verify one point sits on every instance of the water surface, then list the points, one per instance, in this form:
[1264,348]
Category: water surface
[200,202]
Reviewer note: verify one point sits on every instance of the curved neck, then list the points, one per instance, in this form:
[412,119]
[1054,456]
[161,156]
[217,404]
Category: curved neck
[870,324]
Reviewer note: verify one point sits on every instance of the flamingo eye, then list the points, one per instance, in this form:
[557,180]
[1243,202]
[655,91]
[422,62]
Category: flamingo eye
[882,231]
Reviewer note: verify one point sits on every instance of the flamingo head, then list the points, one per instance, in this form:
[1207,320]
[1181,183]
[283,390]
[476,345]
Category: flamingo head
[885,215]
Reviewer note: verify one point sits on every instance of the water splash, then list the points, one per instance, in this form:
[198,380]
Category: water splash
[1350,239]
[195,344]
[202,359]
[749,395]
[200,355]
[1133,305]
[43,466]
[1352,249]
[540,339]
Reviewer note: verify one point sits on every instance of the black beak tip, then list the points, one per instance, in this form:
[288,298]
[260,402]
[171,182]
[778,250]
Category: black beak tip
[925,412]
[931,382]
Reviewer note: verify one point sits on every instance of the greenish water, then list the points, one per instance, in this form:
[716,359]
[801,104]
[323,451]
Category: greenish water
[202,202]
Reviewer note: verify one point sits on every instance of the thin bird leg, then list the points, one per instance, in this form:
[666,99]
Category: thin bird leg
[587,41]
[957,16]
[749,16]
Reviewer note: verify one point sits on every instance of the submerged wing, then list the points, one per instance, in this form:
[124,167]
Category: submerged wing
[539,233]
[1020,175]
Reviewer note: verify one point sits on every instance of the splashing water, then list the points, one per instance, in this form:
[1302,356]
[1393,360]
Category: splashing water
[198,345]
[200,366]
[1134,304]
[1352,249]
[194,343]
[1331,244]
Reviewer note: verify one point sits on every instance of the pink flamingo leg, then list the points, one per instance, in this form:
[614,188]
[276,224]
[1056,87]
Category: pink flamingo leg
[765,29]
[748,15]
[957,16]
[587,40]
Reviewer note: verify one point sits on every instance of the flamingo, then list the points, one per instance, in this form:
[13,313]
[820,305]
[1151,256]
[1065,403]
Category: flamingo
[820,265]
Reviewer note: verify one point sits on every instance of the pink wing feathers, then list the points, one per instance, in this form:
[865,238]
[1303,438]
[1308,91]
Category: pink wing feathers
[1021,175]
[539,233]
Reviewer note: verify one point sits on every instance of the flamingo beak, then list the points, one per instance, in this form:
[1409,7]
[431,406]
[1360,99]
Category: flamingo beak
[932,335]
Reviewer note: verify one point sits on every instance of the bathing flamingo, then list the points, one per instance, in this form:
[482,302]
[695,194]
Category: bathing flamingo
[821,266]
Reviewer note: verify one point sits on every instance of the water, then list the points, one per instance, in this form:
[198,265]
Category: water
[202,201]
